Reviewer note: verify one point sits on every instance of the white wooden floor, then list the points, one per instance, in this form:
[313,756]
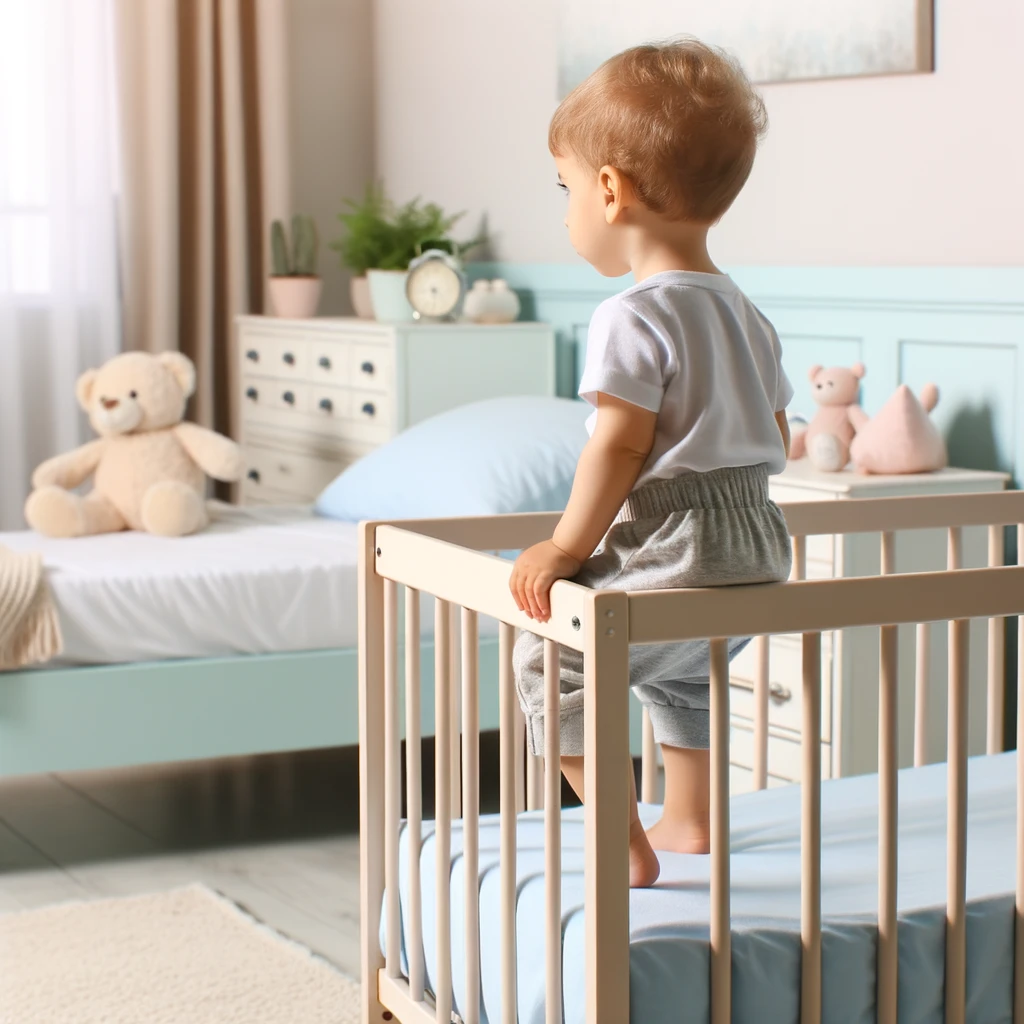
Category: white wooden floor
[279,835]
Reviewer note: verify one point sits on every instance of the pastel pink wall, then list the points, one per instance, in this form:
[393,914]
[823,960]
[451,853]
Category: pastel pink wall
[911,170]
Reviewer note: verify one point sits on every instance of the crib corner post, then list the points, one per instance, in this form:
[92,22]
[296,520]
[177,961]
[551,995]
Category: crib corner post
[371,770]
[606,807]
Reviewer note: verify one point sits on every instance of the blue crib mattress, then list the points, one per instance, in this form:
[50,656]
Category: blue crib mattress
[669,957]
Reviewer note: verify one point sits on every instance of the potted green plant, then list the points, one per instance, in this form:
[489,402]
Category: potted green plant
[381,241]
[294,286]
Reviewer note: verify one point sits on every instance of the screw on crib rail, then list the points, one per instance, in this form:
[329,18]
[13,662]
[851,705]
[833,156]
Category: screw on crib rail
[378,552]
[575,622]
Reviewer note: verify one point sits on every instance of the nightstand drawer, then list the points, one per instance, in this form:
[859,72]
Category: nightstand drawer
[785,683]
[300,476]
[785,756]
[373,367]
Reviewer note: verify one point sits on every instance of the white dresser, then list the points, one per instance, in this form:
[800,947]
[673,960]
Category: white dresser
[849,725]
[317,394]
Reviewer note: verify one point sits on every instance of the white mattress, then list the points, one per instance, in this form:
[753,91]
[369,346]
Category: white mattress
[258,580]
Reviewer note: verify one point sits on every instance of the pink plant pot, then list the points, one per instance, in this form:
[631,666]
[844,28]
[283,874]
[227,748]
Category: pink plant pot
[294,298]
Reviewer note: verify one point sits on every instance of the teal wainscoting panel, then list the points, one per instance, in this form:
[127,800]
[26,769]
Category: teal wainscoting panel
[961,328]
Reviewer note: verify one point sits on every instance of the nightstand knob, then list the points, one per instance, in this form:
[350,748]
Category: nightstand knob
[325,362]
[252,355]
[326,404]
[369,409]
[254,475]
[367,368]
[252,394]
[289,358]
[288,397]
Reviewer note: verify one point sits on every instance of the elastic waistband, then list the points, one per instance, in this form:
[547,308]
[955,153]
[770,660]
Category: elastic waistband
[740,487]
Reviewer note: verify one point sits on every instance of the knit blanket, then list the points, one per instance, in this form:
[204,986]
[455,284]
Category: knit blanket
[29,627]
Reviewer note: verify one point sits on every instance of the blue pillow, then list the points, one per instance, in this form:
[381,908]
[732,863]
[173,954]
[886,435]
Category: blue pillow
[489,458]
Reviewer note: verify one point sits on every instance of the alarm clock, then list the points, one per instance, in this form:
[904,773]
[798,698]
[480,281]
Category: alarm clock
[435,285]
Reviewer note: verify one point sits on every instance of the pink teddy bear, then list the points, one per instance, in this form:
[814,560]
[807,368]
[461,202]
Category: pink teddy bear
[826,440]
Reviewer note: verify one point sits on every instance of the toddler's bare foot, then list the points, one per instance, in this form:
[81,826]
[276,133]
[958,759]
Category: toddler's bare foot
[643,861]
[680,837]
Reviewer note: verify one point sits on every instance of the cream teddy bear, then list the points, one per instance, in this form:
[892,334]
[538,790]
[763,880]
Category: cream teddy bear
[149,467]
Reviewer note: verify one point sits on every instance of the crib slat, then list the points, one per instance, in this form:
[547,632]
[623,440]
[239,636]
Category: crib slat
[888,947]
[392,781]
[521,755]
[721,935]
[443,809]
[1018,930]
[761,692]
[810,834]
[956,827]
[455,647]
[552,834]
[534,782]
[471,808]
[508,716]
[996,655]
[922,676]
[648,762]
[414,790]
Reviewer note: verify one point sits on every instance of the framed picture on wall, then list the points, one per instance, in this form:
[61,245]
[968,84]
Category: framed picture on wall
[781,41]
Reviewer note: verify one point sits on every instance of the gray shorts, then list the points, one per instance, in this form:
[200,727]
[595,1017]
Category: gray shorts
[697,530]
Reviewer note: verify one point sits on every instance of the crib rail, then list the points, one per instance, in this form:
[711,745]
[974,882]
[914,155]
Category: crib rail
[448,559]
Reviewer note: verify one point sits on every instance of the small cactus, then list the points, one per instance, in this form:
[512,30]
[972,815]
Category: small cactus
[302,260]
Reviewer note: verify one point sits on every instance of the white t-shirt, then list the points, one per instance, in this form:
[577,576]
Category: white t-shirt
[694,349]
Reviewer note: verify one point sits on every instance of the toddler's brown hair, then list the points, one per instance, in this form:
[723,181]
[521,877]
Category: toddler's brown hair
[679,119]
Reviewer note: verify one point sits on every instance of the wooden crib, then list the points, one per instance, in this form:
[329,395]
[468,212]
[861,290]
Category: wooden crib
[449,559]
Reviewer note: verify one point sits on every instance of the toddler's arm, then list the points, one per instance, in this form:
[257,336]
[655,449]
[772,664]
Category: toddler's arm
[608,468]
[783,422]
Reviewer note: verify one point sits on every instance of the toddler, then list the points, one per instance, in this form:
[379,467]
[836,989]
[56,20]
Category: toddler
[685,377]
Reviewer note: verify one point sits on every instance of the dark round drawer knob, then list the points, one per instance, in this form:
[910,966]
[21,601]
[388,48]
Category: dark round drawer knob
[289,358]
[325,362]
[252,394]
[288,397]
[254,475]
[369,409]
[326,404]
[252,355]
[367,368]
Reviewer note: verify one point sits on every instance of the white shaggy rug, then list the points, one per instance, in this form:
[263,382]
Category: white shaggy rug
[183,957]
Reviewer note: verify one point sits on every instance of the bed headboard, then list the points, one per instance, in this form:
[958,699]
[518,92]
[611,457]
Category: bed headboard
[960,328]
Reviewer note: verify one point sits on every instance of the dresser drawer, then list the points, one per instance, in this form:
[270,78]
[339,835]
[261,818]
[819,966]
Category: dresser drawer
[256,494]
[785,682]
[266,355]
[372,367]
[330,403]
[270,393]
[785,757]
[372,407]
[330,362]
[301,476]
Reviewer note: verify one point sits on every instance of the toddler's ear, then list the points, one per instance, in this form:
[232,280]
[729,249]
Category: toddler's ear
[858,370]
[813,372]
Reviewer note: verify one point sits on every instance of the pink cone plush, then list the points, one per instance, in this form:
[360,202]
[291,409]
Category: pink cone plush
[901,438]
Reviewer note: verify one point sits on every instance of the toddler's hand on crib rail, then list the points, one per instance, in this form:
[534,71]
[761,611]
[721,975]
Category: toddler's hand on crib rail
[533,575]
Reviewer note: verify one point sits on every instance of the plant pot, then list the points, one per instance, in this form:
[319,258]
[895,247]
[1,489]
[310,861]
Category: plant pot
[359,292]
[294,298]
[387,293]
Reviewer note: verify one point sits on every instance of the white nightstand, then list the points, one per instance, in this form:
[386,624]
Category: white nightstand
[849,728]
[317,394]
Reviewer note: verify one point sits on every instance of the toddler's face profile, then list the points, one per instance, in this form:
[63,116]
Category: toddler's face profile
[591,232]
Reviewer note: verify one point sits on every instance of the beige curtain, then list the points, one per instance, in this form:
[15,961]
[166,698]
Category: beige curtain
[202,104]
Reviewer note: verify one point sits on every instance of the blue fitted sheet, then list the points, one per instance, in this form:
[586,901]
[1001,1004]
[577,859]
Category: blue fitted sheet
[669,959]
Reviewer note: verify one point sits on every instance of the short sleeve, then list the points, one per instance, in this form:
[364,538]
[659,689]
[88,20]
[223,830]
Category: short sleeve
[626,358]
[784,391]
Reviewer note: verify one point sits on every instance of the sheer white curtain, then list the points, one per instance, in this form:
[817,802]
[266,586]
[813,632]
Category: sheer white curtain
[59,307]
